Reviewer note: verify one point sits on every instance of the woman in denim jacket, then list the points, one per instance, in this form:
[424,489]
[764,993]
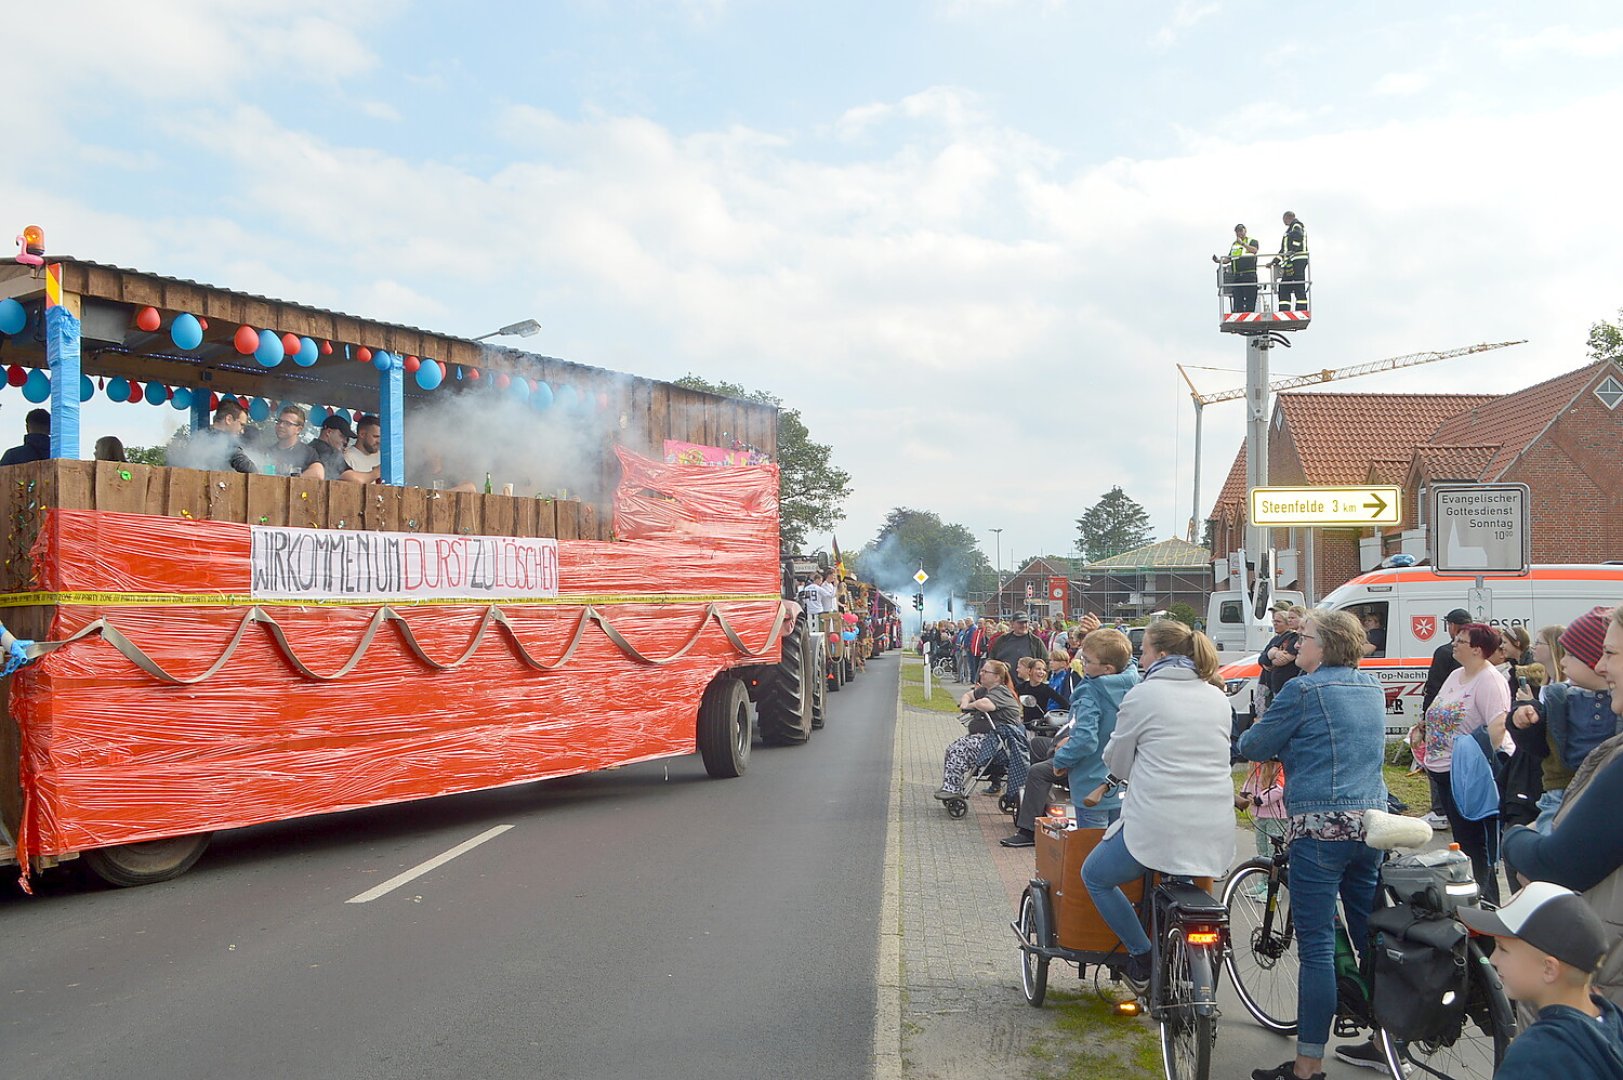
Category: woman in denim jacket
[1328,727]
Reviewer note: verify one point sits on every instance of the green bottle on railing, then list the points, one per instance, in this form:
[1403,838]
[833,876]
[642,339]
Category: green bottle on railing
[488,488]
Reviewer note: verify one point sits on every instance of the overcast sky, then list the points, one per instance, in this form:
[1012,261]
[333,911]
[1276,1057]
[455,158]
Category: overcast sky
[968,239]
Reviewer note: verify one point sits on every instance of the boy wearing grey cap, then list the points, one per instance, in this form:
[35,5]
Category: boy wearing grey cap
[1548,944]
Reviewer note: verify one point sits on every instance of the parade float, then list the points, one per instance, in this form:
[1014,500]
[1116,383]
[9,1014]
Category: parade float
[193,650]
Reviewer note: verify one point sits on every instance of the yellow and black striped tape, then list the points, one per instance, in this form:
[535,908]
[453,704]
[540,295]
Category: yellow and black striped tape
[133,599]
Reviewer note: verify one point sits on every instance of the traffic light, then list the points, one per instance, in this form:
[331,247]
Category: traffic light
[918,601]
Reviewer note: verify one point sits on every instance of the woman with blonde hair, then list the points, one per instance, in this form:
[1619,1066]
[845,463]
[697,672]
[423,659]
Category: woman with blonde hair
[1171,746]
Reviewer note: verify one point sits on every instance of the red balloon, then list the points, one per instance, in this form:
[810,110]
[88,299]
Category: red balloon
[246,340]
[204,323]
[15,375]
[473,374]
[502,380]
[356,416]
[326,348]
[135,391]
[290,344]
[412,364]
[214,402]
[147,319]
[602,401]
[364,355]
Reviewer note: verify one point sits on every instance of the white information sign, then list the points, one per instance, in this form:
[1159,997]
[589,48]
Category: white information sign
[1480,529]
[921,577]
[329,564]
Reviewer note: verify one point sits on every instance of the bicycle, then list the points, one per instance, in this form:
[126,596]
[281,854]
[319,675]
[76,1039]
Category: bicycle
[1188,932]
[1261,962]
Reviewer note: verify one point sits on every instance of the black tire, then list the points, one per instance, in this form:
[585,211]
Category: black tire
[148,862]
[725,731]
[1035,928]
[1188,1023]
[816,665]
[836,674]
[1490,1024]
[850,669]
[1009,804]
[957,808]
[1262,960]
[784,706]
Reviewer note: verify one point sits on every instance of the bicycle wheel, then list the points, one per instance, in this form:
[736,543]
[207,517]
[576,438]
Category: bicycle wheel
[1188,1019]
[1261,959]
[1034,927]
[1479,1047]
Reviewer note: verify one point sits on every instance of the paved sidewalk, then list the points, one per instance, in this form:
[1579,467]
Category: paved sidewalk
[951,1003]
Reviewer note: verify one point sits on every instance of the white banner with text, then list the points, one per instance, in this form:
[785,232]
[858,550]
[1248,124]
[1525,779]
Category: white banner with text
[329,564]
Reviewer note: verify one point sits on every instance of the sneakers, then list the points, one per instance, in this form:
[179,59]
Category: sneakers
[1020,838]
[946,794]
[1365,1055]
[1436,821]
[1136,973]
[1286,1071]
[992,789]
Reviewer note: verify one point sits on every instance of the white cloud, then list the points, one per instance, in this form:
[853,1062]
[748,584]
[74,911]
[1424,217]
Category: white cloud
[1563,40]
[1184,17]
[1402,83]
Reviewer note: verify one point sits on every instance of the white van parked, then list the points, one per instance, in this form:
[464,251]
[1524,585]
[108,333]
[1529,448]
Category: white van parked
[1411,603]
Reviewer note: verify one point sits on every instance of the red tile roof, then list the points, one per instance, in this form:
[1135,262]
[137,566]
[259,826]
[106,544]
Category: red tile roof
[1387,471]
[1338,435]
[1515,420]
[1452,462]
[1230,505]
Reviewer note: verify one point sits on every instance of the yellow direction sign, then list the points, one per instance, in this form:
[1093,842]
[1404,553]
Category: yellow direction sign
[1308,507]
[921,577]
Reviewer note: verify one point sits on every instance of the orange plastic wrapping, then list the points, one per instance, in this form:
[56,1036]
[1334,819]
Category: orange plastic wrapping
[598,676]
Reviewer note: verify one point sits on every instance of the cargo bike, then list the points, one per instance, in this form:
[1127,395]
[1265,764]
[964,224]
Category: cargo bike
[1187,927]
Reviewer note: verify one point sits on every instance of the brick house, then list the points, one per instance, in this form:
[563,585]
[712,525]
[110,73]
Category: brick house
[1561,438]
[1146,579]
[1036,575]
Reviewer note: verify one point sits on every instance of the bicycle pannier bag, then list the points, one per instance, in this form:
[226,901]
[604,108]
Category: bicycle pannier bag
[1418,973]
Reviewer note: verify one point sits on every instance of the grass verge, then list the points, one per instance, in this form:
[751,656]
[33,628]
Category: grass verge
[1087,1040]
[941,700]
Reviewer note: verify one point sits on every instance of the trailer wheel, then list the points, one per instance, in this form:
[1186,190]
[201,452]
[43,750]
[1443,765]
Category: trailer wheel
[784,705]
[725,731]
[147,862]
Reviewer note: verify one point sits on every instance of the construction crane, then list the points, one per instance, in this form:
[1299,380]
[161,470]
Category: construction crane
[1312,379]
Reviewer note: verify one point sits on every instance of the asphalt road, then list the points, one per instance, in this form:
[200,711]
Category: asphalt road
[632,922]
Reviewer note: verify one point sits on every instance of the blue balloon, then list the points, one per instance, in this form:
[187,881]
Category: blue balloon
[156,393]
[520,389]
[182,398]
[118,388]
[87,389]
[186,332]
[568,397]
[270,351]
[258,409]
[13,316]
[318,415]
[848,635]
[430,375]
[38,386]
[308,353]
[542,397]
[382,360]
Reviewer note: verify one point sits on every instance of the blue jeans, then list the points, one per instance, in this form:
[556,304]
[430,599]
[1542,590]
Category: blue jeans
[1548,804]
[1319,870]
[1097,817]
[1107,868]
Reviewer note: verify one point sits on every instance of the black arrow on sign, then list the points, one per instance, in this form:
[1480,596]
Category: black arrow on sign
[1379,505]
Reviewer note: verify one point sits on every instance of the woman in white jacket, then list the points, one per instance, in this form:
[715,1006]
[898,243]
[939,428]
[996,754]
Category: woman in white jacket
[1171,745]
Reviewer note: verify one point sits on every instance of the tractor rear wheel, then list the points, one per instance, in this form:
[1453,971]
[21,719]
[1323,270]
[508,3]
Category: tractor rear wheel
[784,705]
[725,731]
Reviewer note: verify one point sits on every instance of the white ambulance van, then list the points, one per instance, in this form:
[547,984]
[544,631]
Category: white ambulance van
[1411,603]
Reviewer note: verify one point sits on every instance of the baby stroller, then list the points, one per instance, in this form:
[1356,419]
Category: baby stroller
[992,761]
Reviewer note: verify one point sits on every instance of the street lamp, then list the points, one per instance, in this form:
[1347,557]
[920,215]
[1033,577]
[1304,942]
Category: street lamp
[527,328]
[998,536]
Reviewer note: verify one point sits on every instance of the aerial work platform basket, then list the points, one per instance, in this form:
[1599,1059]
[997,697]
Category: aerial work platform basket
[1270,297]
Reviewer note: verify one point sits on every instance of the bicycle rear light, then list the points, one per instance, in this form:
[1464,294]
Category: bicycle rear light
[1127,1008]
[1203,935]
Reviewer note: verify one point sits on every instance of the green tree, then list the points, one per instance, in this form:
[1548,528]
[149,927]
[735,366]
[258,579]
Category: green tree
[147,455]
[1111,526]
[910,538]
[811,488]
[1182,612]
[1606,339]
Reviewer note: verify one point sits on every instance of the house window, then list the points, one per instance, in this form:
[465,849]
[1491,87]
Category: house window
[1421,501]
[1610,392]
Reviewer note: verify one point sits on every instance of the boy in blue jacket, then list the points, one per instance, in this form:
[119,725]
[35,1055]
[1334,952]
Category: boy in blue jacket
[1107,664]
[1549,943]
